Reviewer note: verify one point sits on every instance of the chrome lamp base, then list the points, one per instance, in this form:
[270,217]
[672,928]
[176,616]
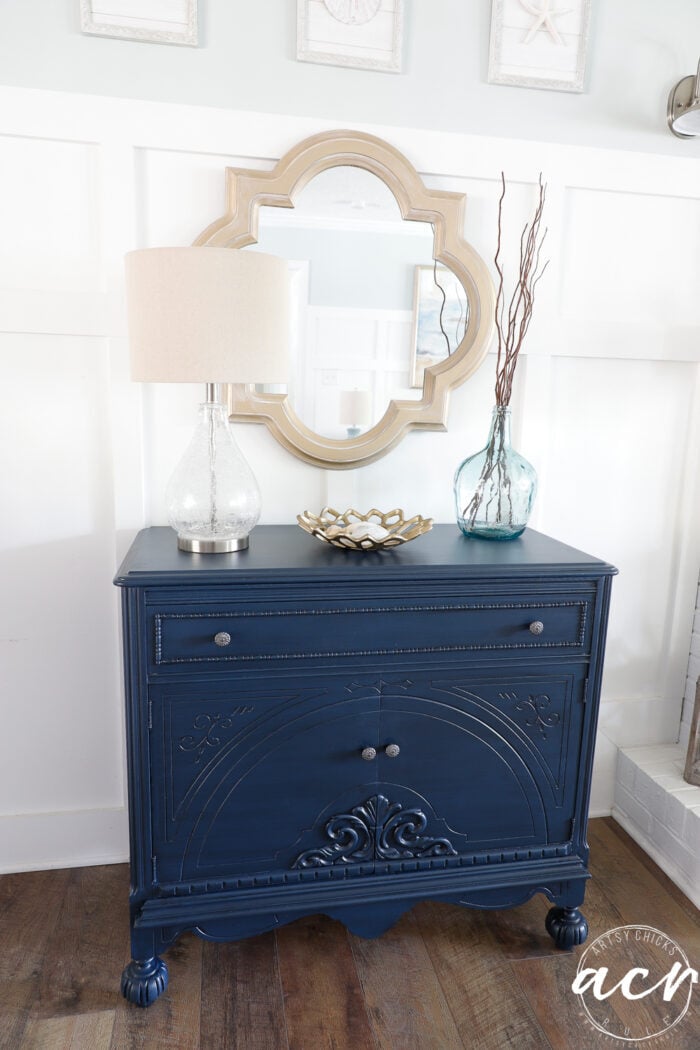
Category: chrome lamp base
[212,546]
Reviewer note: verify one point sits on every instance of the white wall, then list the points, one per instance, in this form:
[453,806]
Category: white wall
[607,405]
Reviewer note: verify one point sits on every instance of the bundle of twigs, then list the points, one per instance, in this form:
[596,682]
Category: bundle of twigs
[513,321]
[491,499]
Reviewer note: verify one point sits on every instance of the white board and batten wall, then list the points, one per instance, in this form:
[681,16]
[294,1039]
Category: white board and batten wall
[606,407]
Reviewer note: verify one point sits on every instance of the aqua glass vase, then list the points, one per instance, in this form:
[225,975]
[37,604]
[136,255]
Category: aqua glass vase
[495,488]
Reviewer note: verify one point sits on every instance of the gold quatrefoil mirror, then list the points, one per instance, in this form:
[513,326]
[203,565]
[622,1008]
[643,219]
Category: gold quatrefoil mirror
[390,307]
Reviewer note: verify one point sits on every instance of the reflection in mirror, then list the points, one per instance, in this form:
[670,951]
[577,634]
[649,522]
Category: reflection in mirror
[370,309]
[440,318]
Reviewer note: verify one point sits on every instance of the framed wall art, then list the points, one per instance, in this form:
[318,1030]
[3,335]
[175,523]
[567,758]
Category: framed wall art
[366,34]
[440,318]
[539,43]
[152,21]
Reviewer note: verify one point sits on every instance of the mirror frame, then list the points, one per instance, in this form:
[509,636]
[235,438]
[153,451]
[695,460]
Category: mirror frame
[248,190]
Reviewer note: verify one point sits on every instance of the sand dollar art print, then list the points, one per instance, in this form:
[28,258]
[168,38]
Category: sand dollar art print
[353,12]
[361,34]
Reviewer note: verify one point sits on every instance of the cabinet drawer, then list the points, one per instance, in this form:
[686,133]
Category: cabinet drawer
[248,633]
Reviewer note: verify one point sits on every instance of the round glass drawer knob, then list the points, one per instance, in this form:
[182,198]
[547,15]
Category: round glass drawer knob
[536,627]
[222,639]
[392,750]
[368,753]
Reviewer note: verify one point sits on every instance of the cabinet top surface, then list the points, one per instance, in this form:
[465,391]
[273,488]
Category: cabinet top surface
[286,551]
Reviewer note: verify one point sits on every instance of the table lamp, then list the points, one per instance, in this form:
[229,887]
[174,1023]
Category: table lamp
[355,410]
[209,315]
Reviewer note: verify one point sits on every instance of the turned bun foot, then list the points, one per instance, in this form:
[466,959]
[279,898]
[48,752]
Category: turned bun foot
[567,927]
[144,980]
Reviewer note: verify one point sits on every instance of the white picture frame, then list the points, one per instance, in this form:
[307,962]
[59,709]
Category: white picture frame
[150,21]
[539,43]
[363,34]
[440,319]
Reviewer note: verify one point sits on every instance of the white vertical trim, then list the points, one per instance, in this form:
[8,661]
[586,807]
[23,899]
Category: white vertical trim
[684,534]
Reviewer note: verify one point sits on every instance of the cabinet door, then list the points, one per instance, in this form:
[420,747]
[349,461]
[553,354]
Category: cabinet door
[241,770]
[495,759]
[480,764]
[257,776]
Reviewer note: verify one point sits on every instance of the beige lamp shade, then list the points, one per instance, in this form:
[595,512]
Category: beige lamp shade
[207,315]
[355,406]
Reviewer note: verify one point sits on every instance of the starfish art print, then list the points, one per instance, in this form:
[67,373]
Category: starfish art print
[539,43]
[544,15]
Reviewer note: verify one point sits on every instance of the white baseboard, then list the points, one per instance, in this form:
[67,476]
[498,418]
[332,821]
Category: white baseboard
[665,863]
[69,839]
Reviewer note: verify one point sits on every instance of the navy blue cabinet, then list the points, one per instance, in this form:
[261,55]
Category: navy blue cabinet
[315,730]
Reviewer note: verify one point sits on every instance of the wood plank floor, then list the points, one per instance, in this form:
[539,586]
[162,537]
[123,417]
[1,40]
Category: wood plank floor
[444,978]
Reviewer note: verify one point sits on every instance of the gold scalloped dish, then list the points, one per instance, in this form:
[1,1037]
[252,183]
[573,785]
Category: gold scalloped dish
[374,531]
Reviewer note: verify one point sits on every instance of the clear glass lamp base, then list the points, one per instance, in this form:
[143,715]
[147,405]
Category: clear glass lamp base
[219,546]
[213,499]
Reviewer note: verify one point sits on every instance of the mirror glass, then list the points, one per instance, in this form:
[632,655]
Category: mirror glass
[370,309]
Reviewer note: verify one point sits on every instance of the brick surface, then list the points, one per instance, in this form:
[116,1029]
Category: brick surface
[633,809]
[678,812]
[673,783]
[650,794]
[692,832]
[650,790]
[626,771]
[652,754]
[689,694]
[677,851]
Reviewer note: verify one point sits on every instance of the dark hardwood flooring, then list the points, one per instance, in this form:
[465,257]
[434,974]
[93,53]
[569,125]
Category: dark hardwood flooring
[444,978]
